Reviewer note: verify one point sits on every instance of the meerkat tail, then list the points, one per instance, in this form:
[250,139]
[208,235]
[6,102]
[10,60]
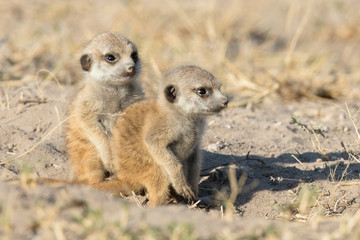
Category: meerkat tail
[114,187]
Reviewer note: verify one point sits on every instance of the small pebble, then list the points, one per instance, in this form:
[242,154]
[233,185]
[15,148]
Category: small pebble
[10,147]
[213,147]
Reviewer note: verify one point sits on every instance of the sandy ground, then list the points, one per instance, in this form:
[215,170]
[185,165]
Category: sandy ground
[303,172]
[265,174]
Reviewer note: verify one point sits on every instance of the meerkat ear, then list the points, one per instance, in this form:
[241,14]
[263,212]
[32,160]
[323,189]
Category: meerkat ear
[86,61]
[170,93]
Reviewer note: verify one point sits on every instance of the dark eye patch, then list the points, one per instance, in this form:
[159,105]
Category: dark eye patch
[135,57]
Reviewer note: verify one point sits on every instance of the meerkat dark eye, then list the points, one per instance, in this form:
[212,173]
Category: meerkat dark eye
[110,58]
[135,57]
[202,92]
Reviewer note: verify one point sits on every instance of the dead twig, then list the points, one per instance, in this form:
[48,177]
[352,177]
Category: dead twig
[36,100]
[195,204]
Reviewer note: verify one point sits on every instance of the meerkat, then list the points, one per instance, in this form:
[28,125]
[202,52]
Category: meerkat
[111,67]
[156,143]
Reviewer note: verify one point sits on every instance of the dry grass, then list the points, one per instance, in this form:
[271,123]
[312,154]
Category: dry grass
[256,48]
[318,202]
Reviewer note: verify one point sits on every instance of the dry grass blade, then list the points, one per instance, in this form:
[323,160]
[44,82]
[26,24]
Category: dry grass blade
[304,167]
[337,202]
[236,187]
[195,204]
[353,122]
[348,183]
[241,76]
[298,32]
[222,211]
[318,145]
[7,100]
[40,100]
[137,200]
[50,76]
[256,98]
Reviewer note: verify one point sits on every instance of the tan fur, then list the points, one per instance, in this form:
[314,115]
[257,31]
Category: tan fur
[111,68]
[156,143]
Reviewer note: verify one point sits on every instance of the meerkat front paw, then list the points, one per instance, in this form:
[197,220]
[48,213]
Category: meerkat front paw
[184,189]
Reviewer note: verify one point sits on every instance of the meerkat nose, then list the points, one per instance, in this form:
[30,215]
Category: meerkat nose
[130,68]
[226,103]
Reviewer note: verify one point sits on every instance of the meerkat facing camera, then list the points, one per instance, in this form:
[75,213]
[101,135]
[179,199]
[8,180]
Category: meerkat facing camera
[111,67]
[156,143]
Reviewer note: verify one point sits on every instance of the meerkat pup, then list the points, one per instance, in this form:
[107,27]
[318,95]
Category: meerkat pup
[111,66]
[156,143]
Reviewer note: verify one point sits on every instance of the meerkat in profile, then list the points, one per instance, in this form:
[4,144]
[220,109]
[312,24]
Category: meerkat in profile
[111,66]
[156,143]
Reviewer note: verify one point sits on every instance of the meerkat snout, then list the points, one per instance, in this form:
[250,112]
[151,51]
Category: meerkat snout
[220,99]
[130,68]
[225,103]
[216,102]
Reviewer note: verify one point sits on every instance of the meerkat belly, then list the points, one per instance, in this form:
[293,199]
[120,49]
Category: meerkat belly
[107,115]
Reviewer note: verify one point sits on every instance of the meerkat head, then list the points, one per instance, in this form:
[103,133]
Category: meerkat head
[193,90]
[111,58]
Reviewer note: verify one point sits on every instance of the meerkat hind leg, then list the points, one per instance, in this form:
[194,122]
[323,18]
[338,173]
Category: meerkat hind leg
[86,163]
[159,193]
[157,185]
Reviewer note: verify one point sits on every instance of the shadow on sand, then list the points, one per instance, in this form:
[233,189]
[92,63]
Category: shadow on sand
[271,174]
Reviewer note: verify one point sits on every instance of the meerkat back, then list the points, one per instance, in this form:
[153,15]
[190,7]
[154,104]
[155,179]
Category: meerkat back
[111,66]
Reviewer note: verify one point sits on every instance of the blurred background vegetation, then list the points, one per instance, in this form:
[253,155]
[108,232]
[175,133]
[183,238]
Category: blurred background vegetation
[279,50]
